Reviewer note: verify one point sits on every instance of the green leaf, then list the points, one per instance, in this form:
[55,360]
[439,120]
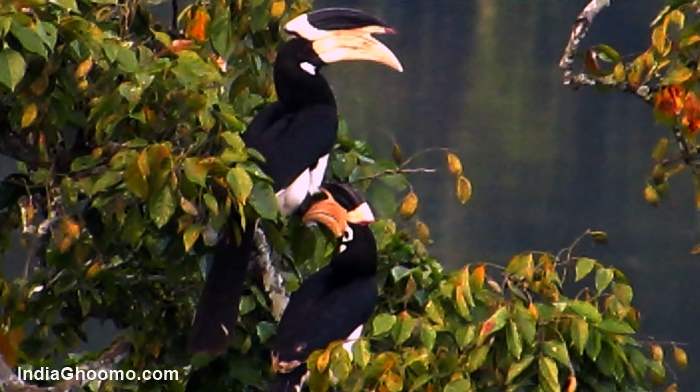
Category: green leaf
[340,364]
[579,334]
[399,272]
[161,206]
[403,329]
[458,386]
[603,277]
[126,60]
[70,5]
[361,353]
[607,53]
[264,201]
[477,357]
[623,292]
[615,326]
[247,305]
[29,39]
[107,180]
[240,183]
[493,324]
[83,163]
[465,335]
[585,310]
[48,33]
[434,312]
[265,330]
[12,68]
[517,368]
[594,344]
[195,171]
[521,265]
[548,375]
[211,203]
[526,323]
[382,323]
[427,335]
[513,341]
[557,351]
[584,266]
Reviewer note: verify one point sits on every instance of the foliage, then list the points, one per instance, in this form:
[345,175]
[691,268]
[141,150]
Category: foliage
[130,162]
[666,76]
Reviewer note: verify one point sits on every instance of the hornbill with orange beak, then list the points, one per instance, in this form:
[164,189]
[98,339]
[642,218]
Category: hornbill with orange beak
[295,135]
[335,302]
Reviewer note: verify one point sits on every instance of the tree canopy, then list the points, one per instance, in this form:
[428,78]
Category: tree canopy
[126,133]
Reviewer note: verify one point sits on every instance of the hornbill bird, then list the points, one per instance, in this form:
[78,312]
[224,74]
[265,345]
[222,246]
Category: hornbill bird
[333,303]
[295,135]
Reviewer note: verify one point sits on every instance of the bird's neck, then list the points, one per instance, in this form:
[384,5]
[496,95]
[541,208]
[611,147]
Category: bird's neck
[297,88]
[360,256]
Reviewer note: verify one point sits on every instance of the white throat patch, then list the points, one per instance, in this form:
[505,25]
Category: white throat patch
[308,68]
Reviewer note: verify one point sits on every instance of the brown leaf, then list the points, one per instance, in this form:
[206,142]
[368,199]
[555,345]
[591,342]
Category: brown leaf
[423,232]
[396,154]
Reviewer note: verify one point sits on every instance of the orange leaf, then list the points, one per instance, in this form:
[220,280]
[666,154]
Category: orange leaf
[669,100]
[479,275]
[197,28]
[9,345]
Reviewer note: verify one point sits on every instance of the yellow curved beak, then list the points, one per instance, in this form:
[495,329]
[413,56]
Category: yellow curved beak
[356,44]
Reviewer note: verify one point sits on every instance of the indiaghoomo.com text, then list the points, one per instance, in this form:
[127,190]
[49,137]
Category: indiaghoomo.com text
[75,373]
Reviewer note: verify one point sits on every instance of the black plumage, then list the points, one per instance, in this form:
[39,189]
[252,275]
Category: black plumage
[295,135]
[331,303]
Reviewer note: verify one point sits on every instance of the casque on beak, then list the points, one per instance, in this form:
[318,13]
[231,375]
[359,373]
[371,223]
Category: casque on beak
[344,35]
[356,44]
[329,213]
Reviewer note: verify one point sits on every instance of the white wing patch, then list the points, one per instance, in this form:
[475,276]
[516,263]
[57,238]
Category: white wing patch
[308,182]
[350,340]
[318,173]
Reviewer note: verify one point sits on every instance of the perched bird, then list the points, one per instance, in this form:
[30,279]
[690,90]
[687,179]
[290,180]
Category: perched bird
[335,302]
[295,135]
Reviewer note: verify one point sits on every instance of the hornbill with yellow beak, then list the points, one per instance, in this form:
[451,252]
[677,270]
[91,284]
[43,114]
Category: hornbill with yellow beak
[295,135]
[335,302]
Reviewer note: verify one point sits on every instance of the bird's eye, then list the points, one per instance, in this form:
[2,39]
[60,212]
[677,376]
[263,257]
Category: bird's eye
[348,234]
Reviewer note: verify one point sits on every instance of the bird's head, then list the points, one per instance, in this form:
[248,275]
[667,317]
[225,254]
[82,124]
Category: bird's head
[331,35]
[337,207]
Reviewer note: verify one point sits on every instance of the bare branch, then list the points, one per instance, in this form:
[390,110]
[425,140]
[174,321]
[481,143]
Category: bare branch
[578,33]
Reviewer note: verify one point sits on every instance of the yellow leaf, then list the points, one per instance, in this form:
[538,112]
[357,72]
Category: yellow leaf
[657,353]
[619,72]
[454,164]
[464,189]
[409,205]
[680,356]
[323,360]
[277,8]
[396,154]
[677,17]
[651,195]
[672,388]
[678,75]
[94,269]
[532,309]
[191,235]
[423,232]
[478,276]
[689,41]
[659,40]
[82,70]
[29,115]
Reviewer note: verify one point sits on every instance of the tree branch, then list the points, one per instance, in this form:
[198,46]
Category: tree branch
[578,33]
[271,277]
